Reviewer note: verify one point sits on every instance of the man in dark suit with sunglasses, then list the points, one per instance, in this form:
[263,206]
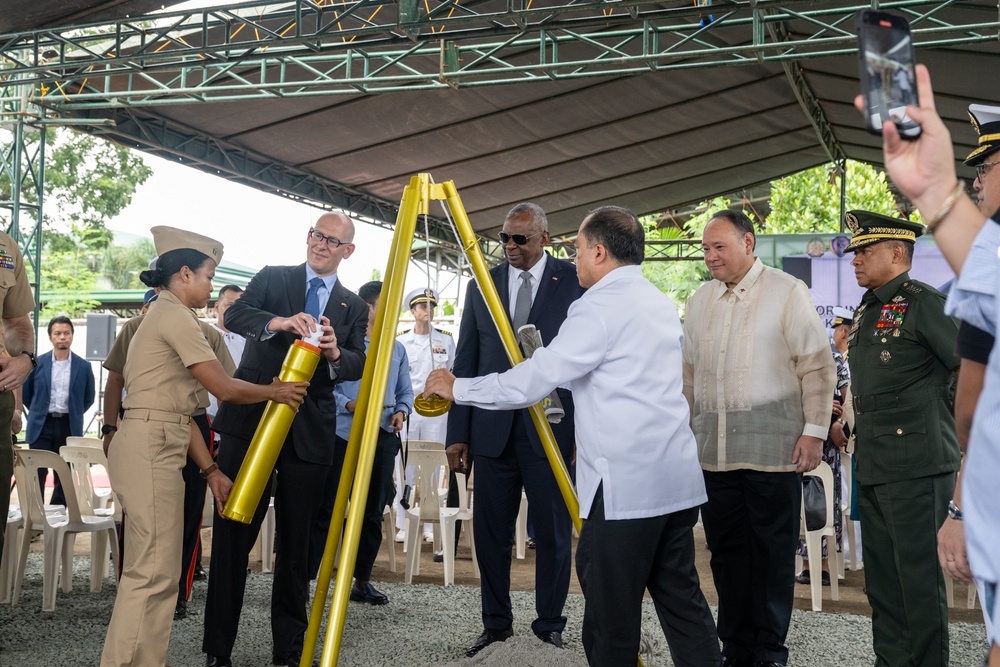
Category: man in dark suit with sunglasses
[537,289]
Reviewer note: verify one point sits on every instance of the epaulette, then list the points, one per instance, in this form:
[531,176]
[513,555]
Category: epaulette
[918,289]
[404,331]
[444,331]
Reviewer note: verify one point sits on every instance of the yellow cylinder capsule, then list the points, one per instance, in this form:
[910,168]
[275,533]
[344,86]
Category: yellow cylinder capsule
[299,365]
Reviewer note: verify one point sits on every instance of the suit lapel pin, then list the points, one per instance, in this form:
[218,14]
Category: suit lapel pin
[343,305]
[555,278]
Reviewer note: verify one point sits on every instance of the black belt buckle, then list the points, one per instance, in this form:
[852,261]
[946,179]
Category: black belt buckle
[857,405]
[58,415]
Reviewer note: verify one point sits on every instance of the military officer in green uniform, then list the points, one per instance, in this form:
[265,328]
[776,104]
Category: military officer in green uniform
[902,358]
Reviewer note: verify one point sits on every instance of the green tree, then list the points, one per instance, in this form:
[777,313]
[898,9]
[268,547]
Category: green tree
[809,201]
[88,181]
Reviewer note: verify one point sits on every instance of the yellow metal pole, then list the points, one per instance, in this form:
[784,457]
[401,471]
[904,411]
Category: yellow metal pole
[360,454]
[492,299]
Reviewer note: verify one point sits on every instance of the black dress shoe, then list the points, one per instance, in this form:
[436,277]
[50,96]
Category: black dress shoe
[199,573]
[733,662]
[488,637]
[803,577]
[553,637]
[531,543]
[768,663]
[218,661]
[181,610]
[291,659]
[368,594]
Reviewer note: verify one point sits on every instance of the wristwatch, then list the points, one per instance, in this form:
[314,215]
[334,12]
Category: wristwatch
[842,422]
[31,355]
[108,428]
[954,511]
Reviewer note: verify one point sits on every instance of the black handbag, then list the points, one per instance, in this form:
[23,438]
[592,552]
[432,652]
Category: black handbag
[813,502]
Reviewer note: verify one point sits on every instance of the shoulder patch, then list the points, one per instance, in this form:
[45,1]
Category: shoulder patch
[403,331]
[444,331]
[916,289]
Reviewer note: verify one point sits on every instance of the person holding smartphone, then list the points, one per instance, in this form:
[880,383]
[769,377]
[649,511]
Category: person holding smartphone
[924,171]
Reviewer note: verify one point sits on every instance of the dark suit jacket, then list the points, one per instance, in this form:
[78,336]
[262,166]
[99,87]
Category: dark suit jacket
[480,352]
[280,291]
[37,390]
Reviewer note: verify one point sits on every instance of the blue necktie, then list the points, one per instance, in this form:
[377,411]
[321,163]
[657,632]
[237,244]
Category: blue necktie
[312,297]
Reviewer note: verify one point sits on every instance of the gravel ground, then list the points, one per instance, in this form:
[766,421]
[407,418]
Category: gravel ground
[424,624]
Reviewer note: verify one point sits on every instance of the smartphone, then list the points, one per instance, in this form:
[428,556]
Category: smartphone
[886,64]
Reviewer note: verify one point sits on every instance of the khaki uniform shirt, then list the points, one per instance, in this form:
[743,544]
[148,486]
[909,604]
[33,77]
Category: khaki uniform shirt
[156,368]
[119,351]
[15,292]
[902,356]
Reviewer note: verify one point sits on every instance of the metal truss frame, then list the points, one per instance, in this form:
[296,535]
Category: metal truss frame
[264,49]
[22,186]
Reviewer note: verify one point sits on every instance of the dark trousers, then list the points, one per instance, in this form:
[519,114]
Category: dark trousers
[616,562]
[6,456]
[498,498]
[752,528]
[194,505]
[53,435]
[296,503]
[899,525]
[380,493]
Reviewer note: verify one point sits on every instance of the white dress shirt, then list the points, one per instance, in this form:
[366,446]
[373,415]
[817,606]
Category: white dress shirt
[235,343]
[59,395]
[514,282]
[619,350]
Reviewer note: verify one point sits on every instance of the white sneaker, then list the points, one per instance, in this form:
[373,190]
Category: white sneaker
[401,535]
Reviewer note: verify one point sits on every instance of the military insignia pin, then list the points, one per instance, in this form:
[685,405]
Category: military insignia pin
[885,356]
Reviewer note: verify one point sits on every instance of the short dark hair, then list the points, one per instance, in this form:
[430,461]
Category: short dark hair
[619,231]
[532,212]
[370,292]
[60,319]
[230,288]
[907,249]
[739,220]
[170,263]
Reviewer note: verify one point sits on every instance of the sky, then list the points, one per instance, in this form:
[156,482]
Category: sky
[256,228]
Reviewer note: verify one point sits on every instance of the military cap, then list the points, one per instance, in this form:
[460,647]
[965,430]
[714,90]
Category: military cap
[170,238]
[986,122]
[867,228]
[842,316]
[422,295]
[149,297]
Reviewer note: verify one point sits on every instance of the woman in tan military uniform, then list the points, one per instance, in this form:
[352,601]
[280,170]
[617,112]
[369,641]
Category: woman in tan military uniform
[167,359]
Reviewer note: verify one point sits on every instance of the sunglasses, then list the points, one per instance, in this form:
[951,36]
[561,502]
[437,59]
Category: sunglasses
[519,239]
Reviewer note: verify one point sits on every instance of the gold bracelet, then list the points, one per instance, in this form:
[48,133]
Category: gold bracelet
[946,207]
[209,470]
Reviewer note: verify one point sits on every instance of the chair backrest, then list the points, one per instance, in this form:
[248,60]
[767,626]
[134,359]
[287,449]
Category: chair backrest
[35,460]
[825,473]
[426,463]
[81,460]
[85,442]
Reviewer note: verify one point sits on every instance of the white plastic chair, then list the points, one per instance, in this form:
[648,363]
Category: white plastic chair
[82,459]
[79,441]
[9,556]
[814,543]
[430,460]
[56,527]
[853,548]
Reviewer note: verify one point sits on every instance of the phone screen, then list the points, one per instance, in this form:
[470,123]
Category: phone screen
[886,62]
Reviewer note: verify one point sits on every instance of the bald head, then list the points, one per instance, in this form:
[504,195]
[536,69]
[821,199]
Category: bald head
[330,241]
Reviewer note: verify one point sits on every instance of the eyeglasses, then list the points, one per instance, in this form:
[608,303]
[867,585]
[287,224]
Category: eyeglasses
[983,167]
[331,241]
[519,239]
